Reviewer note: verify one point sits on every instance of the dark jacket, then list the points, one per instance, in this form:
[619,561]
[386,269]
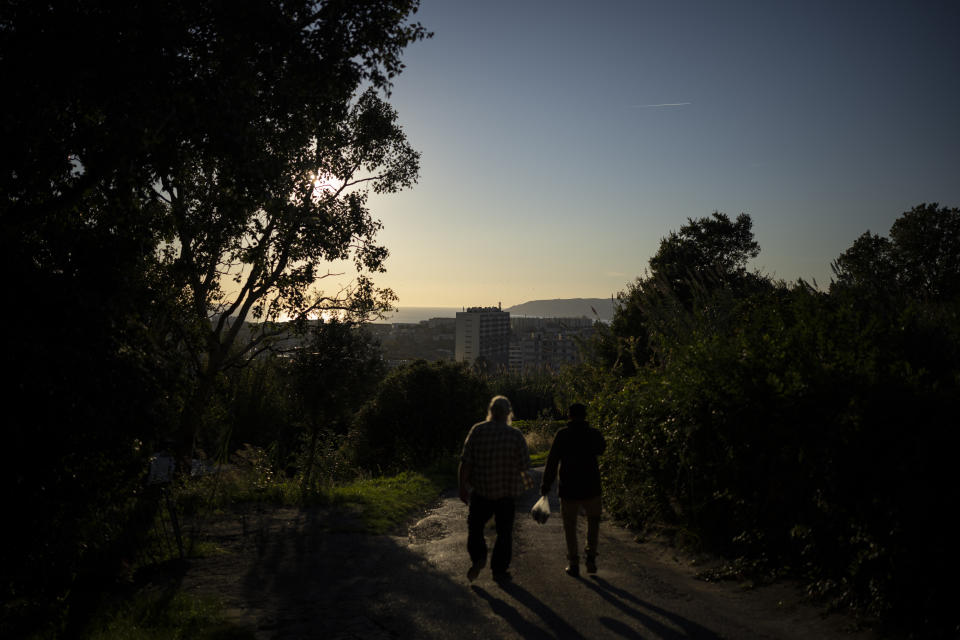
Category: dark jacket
[575,449]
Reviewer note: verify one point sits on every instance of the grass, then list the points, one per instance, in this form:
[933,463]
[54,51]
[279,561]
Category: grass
[382,505]
[539,458]
[167,615]
[370,505]
[539,435]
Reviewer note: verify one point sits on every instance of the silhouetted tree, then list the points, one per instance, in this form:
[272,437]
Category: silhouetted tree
[168,170]
[867,264]
[334,375]
[231,146]
[788,426]
[704,255]
[418,416]
[712,248]
[920,260]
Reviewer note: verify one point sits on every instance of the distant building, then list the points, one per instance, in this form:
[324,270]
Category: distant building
[547,343]
[483,332]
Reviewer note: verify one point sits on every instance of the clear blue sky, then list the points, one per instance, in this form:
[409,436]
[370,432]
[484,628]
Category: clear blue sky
[549,171]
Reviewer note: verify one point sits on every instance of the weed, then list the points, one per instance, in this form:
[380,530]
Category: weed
[166,614]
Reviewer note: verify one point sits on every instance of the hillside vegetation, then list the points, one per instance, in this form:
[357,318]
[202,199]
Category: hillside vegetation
[170,212]
[798,431]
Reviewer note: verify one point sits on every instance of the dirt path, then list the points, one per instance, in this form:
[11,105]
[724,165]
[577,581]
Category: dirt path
[287,577]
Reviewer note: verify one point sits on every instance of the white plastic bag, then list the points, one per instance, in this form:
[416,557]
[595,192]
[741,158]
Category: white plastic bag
[541,510]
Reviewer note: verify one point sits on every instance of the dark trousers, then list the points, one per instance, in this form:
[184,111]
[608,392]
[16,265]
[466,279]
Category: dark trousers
[503,510]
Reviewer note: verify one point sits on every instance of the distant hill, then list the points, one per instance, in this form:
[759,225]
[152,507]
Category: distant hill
[565,308]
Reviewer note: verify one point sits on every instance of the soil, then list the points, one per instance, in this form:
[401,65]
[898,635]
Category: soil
[288,573]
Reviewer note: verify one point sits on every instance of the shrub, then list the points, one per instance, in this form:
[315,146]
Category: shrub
[418,415]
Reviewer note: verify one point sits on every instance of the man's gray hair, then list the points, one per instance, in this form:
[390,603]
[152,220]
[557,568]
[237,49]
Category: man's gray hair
[500,410]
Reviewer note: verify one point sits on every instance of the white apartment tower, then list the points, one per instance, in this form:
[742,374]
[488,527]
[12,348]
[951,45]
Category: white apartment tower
[483,331]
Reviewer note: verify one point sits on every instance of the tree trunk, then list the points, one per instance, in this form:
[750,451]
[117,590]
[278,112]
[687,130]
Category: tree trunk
[191,418]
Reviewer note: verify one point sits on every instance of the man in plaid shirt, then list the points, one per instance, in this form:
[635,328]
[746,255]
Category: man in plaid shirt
[491,475]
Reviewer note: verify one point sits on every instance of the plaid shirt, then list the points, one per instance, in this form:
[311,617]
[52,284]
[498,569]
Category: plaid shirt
[497,455]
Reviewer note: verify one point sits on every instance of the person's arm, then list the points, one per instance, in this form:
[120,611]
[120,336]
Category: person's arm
[464,476]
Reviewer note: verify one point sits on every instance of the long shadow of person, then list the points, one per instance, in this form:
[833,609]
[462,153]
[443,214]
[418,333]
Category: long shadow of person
[616,597]
[622,629]
[514,618]
[560,627]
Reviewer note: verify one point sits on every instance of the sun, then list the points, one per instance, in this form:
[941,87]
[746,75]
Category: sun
[325,183]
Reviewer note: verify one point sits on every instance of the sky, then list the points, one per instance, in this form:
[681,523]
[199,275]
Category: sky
[561,141]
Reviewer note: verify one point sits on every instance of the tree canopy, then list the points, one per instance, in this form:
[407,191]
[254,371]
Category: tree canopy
[217,158]
[169,170]
[920,259]
[714,246]
[703,255]
[791,427]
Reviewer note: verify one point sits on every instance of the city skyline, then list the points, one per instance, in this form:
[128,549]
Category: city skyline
[560,145]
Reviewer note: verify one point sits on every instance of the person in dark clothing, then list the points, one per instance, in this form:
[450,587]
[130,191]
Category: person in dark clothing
[574,451]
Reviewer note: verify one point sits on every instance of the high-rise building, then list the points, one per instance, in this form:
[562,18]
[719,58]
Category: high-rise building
[483,332]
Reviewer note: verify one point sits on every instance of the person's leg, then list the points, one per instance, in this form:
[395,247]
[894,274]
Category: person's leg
[593,508]
[568,512]
[480,511]
[505,514]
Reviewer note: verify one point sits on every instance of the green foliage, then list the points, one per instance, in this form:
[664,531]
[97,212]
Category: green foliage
[334,375]
[539,435]
[336,372]
[166,615]
[384,504]
[296,411]
[259,409]
[920,260]
[792,428]
[249,476]
[180,152]
[712,249]
[361,504]
[706,255]
[531,392]
[418,415]
[709,243]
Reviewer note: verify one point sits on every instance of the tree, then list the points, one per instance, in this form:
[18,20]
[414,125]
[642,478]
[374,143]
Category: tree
[419,415]
[334,375]
[867,264]
[705,255]
[161,181]
[713,247]
[274,243]
[230,151]
[920,260]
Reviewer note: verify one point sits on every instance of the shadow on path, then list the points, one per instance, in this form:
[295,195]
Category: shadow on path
[514,618]
[560,627]
[618,597]
[311,583]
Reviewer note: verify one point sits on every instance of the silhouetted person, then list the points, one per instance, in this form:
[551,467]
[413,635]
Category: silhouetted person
[494,457]
[575,449]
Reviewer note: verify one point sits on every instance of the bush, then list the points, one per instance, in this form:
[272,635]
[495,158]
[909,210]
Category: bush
[802,430]
[419,415]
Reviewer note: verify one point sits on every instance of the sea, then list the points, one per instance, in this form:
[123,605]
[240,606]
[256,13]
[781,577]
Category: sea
[418,314]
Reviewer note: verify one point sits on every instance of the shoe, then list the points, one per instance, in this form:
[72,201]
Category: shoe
[502,576]
[591,564]
[474,570]
[573,570]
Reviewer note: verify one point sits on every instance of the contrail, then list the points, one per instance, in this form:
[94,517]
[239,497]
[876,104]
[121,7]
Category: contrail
[665,104]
